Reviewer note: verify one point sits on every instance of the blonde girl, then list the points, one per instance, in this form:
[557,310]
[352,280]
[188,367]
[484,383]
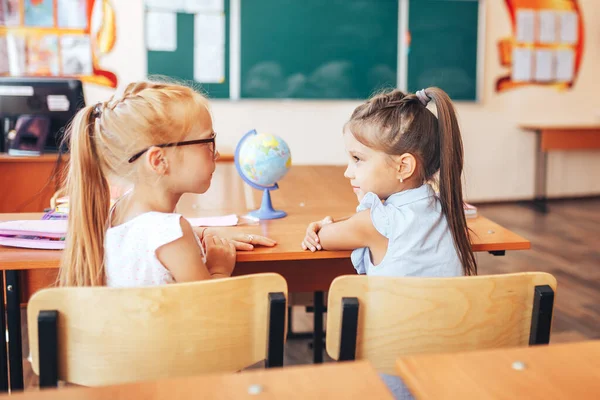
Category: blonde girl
[159,140]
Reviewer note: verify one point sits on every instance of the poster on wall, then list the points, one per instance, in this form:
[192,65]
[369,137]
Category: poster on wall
[57,38]
[546,47]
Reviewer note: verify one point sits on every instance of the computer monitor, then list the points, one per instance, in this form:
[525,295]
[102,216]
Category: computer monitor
[55,99]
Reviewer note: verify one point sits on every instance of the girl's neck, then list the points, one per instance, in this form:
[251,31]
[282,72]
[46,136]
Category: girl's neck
[142,199]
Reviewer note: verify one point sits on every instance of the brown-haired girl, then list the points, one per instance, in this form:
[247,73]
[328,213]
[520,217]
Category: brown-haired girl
[396,148]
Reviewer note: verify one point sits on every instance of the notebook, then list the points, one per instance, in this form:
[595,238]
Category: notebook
[34,234]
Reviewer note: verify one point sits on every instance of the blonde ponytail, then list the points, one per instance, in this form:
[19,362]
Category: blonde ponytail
[82,263]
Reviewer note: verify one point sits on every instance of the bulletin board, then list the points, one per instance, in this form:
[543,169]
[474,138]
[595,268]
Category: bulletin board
[57,38]
[546,46]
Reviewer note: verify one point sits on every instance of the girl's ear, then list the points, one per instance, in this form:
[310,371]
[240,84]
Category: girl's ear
[157,160]
[406,164]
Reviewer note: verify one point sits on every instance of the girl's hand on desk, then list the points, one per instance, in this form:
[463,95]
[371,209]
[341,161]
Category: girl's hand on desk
[246,241]
[220,256]
[311,240]
[241,241]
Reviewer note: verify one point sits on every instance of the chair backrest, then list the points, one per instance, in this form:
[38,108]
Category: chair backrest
[381,318]
[115,335]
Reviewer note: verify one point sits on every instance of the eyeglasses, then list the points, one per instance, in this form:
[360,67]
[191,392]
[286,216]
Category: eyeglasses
[211,140]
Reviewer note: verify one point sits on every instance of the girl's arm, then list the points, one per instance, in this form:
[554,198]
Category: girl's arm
[183,257]
[241,241]
[352,233]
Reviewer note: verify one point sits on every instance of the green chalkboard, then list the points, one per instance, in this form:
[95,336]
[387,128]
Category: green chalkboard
[318,49]
[443,46]
[179,64]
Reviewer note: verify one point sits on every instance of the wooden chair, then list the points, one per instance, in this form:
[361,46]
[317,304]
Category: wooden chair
[381,318]
[100,336]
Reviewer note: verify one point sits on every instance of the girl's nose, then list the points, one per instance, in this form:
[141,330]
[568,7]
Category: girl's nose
[347,173]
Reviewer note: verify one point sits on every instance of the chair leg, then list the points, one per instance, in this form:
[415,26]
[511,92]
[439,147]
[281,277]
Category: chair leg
[541,318]
[349,329]
[48,348]
[276,330]
[318,335]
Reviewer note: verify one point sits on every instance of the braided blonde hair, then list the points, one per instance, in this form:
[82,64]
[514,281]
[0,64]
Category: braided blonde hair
[101,139]
[398,123]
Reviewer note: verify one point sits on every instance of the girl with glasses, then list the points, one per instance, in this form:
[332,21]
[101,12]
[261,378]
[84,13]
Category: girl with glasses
[159,139]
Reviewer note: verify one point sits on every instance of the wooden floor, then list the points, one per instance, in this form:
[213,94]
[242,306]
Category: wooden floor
[565,243]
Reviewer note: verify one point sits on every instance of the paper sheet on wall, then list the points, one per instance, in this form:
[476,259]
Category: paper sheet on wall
[203,6]
[565,65]
[568,27]
[209,48]
[544,65]
[4,68]
[525,25]
[522,63]
[161,31]
[165,5]
[547,26]
[72,14]
[76,52]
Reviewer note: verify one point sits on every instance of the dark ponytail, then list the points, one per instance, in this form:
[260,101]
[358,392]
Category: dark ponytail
[450,185]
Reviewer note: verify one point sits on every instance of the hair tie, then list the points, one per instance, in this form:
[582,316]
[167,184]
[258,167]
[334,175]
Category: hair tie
[423,97]
[97,113]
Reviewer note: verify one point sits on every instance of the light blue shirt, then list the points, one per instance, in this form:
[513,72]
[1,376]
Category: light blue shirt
[420,242]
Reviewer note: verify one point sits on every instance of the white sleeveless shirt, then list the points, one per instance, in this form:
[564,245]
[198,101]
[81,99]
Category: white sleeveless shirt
[130,250]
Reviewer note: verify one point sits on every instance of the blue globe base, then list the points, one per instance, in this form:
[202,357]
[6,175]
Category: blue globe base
[267,214]
[266,210]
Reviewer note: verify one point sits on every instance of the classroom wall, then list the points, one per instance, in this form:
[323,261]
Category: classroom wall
[499,156]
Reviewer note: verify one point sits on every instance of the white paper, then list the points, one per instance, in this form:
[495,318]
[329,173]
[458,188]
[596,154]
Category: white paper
[225,220]
[15,46]
[76,52]
[161,31]
[522,64]
[569,25]
[565,65]
[165,5]
[525,25]
[209,65]
[4,67]
[72,14]
[209,29]
[547,26]
[203,6]
[209,48]
[544,65]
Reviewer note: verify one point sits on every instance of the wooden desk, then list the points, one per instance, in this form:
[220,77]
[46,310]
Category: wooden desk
[558,138]
[561,371]
[28,182]
[349,380]
[307,193]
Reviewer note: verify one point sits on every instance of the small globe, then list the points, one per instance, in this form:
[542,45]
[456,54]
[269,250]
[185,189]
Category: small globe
[263,159]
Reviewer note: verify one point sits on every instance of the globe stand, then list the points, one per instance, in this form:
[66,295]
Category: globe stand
[266,210]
